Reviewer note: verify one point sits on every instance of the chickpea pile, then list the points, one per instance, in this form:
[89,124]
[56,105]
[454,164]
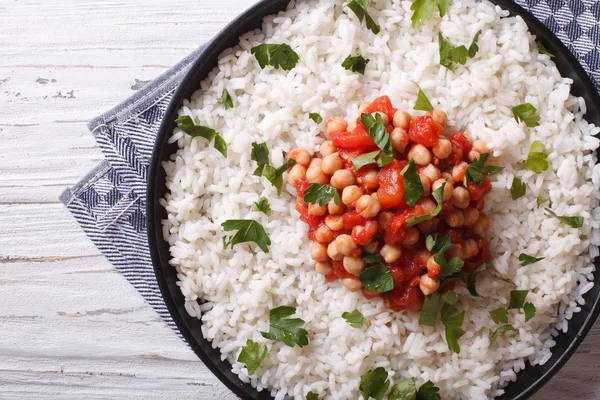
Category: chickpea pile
[371,216]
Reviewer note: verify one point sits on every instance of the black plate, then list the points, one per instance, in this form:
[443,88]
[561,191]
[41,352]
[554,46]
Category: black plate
[529,381]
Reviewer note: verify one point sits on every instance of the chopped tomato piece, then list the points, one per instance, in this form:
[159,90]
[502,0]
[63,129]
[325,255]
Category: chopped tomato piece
[391,185]
[364,234]
[395,232]
[312,220]
[424,130]
[406,297]
[460,142]
[331,277]
[477,192]
[347,155]
[369,295]
[301,185]
[382,104]
[357,139]
[352,219]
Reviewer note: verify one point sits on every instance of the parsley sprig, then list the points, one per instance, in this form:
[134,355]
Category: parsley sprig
[253,355]
[262,205]
[286,329]
[320,194]
[527,113]
[413,188]
[423,10]
[355,318]
[247,231]
[376,131]
[276,55]
[226,100]
[422,103]
[260,154]
[536,159]
[356,63]
[450,54]
[574,222]
[186,124]
[438,195]
[477,170]
[358,7]
[407,390]
[376,276]
[374,384]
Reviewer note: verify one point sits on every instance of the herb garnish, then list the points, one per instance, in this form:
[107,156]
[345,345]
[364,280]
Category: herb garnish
[358,8]
[499,331]
[517,189]
[374,384]
[429,310]
[315,117]
[517,299]
[422,103]
[320,194]
[438,195]
[542,49]
[530,310]
[472,279]
[312,396]
[247,231]
[453,324]
[539,201]
[423,10]
[575,222]
[499,315]
[186,124]
[355,318]
[262,205]
[356,63]
[260,154]
[477,170]
[428,391]
[286,329]
[528,260]
[527,113]
[365,159]
[377,276]
[536,159]
[376,131]
[226,100]
[404,390]
[276,55]
[253,355]
[441,242]
[413,188]
[448,268]
[450,54]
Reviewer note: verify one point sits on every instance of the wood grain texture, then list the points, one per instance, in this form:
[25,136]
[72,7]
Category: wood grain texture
[71,326]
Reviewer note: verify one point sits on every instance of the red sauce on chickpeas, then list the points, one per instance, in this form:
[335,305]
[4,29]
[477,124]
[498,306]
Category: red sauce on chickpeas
[372,213]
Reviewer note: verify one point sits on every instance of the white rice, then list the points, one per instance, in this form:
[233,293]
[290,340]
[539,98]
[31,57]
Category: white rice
[242,284]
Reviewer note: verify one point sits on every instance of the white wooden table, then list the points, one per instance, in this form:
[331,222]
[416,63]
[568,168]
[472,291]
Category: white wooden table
[70,325]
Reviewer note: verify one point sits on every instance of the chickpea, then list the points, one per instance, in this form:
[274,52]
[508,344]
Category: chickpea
[442,149]
[300,155]
[335,209]
[428,285]
[399,139]
[315,209]
[316,175]
[315,162]
[333,252]
[318,252]
[439,116]
[471,215]
[323,234]
[390,254]
[401,119]
[346,245]
[342,178]
[369,180]
[480,146]
[448,189]
[334,222]
[363,107]
[412,236]
[296,173]
[422,256]
[367,206]
[428,226]
[481,226]
[384,117]
[432,172]
[324,268]
[351,284]
[460,197]
[351,126]
[351,193]
[455,250]
[458,171]
[427,204]
[384,219]
[467,137]
[420,154]
[469,249]
[371,247]
[332,163]
[300,203]
[473,155]
[336,124]
[455,218]
[426,184]
[354,265]
[448,177]
[327,148]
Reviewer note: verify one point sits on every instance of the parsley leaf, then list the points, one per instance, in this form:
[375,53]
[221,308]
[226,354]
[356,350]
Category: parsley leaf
[248,231]
[358,8]
[499,315]
[253,355]
[422,103]
[312,396]
[451,297]
[526,113]
[453,324]
[423,10]
[450,54]
[542,49]
[374,384]
[499,331]
[376,131]
[356,63]
[472,279]
[517,189]
[492,170]
[448,268]
[354,318]
[315,117]
[376,276]
[413,189]
[276,55]
[365,159]
[501,278]
[517,299]
[429,310]
[441,243]
[438,195]
[262,205]
[477,170]
[260,154]
[404,390]
[320,194]
[428,391]
[536,159]
[186,124]
[226,100]
[530,310]
[528,260]
[575,222]
[539,201]
[474,47]
[286,329]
